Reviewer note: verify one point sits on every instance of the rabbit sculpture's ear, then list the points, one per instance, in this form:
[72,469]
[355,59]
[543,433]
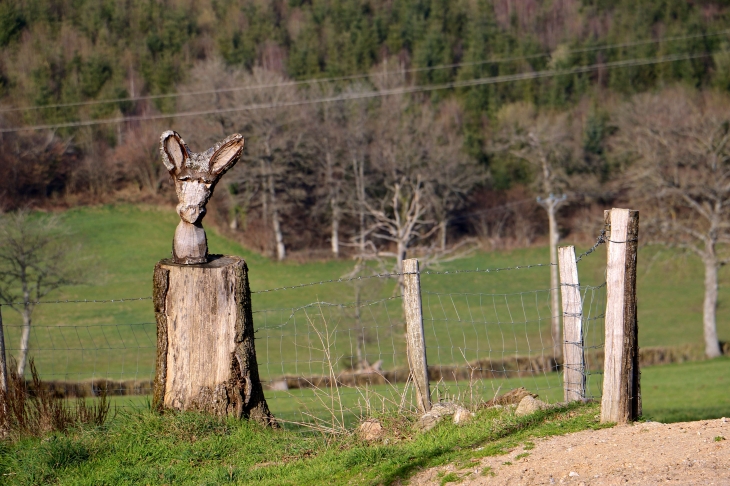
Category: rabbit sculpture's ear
[226,154]
[174,151]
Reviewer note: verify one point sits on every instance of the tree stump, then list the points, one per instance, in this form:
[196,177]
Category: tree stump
[206,359]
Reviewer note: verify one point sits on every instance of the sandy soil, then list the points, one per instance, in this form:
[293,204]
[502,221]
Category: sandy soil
[645,453]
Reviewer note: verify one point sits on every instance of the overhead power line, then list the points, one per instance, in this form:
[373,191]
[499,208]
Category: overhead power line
[371,94]
[364,75]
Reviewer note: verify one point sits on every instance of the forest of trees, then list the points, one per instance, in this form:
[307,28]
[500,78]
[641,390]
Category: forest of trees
[378,127]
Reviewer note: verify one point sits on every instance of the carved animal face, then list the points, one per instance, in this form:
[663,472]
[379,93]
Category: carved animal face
[196,174]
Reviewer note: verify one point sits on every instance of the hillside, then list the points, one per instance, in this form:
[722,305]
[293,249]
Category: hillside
[99,75]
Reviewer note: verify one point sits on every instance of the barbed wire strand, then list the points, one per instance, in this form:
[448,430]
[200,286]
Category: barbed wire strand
[67,301]
[600,240]
[371,94]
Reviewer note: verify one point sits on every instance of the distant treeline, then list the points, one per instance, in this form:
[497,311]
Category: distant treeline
[463,161]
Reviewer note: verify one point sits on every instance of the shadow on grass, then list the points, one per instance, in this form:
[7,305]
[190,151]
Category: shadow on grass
[672,415]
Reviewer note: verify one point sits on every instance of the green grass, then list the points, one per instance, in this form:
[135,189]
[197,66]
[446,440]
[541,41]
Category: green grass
[687,391]
[137,447]
[670,393]
[117,340]
[142,448]
[467,316]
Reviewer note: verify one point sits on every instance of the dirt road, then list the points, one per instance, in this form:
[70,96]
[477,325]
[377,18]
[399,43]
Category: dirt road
[689,453]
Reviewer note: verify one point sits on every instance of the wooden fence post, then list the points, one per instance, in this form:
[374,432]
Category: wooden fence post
[574,378]
[621,400]
[415,338]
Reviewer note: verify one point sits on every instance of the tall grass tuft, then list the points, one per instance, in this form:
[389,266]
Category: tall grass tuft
[31,410]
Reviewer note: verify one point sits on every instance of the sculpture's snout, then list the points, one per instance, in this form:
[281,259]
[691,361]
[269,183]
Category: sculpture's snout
[190,213]
[193,195]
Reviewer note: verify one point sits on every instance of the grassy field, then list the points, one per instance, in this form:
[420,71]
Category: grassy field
[686,391]
[143,448]
[670,393]
[467,315]
[137,447]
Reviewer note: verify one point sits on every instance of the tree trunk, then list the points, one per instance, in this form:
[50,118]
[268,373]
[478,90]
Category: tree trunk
[24,340]
[206,358]
[276,223]
[335,227]
[554,282]
[442,230]
[360,334]
[264,192]
[359,172]
[333,202]
[709,309]
[4,368]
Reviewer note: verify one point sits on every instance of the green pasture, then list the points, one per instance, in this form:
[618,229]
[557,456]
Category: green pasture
[686,391]
[138,447]
[189,448]
[305,331]
[670,393]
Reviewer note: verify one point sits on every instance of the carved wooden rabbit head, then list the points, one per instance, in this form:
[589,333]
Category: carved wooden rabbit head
[195,178]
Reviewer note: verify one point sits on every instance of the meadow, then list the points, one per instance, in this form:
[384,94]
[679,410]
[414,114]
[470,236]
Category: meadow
[138,447]
[467,316]
[144,448]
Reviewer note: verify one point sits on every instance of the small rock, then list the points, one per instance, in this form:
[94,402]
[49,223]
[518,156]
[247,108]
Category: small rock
[573,474]
[280,385]
[462,416]
[512,397]
[370,430]
[724,420]
[439,410]
[529,405]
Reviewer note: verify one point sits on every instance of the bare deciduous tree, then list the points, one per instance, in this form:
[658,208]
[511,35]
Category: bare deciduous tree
[275,134]
[543,141]
[419,174]
[681,175]
[140,154]
[457,173]
[397,203]
[327,136]
[34,261]
[357,140]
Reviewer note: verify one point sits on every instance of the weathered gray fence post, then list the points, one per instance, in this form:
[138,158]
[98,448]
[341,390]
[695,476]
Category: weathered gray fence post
[574,378]
[621,400]
[415,338]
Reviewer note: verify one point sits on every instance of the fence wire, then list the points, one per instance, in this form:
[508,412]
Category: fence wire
[344,356]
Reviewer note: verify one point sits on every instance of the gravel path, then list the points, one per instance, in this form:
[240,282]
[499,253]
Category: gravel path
[648,453]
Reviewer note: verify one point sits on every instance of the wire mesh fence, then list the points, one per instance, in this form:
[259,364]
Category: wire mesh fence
[80,348]
[344,356]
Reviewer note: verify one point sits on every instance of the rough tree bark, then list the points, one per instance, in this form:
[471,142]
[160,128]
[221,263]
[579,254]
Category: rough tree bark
[334,201]
[24,339]
[551,205]
[275,221]
[206,358]
[709,308]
